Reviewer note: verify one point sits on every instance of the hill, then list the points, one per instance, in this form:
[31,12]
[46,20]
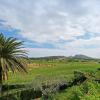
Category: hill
[80,56]
[49,58]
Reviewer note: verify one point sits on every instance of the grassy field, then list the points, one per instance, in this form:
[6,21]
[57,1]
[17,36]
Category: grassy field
[50,69]
[43,72]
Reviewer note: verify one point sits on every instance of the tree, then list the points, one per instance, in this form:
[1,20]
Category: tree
[12,57]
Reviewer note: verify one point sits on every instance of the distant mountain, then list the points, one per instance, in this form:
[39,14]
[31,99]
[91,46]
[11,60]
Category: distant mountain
[80,56]
[49,58]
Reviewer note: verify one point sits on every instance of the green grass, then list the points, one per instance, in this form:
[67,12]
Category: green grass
[89,90]
[44,74]
[61,69]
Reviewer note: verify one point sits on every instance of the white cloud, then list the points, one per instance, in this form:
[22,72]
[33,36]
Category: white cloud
[86,43]
[49,21]
[41,52]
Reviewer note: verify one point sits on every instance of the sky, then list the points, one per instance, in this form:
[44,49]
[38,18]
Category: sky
[53,27]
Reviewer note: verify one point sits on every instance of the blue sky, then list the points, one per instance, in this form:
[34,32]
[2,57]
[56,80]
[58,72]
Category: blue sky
[53,27]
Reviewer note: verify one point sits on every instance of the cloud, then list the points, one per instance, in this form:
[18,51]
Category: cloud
[41,52]
[64,24]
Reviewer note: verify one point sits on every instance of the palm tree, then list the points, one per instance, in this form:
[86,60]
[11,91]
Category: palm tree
[12,57]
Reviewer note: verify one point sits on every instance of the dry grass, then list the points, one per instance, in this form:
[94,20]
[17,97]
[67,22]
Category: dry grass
[38,65]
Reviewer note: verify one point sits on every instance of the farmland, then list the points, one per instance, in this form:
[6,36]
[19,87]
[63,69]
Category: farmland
[53,73]
[50,69]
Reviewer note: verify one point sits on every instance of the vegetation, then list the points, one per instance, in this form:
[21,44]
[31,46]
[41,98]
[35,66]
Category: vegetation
[11,57]
[58,74]
[82,86]
[88,90]
[41,68]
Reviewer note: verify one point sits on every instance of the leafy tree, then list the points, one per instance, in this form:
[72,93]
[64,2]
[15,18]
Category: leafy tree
[12,57]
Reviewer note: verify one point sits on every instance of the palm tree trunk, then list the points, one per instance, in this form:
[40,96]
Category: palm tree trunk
[0,80]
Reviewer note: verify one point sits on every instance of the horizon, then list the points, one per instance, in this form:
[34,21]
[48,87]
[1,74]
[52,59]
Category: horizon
[64,56]
[53,27]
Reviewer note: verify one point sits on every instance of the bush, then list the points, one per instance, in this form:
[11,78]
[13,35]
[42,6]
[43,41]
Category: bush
[82,87]
[74,93]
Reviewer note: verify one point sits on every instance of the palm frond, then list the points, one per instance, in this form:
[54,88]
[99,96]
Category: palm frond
[12,55]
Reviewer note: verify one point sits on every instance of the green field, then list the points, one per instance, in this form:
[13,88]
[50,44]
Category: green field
[59,69]
[55,72]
